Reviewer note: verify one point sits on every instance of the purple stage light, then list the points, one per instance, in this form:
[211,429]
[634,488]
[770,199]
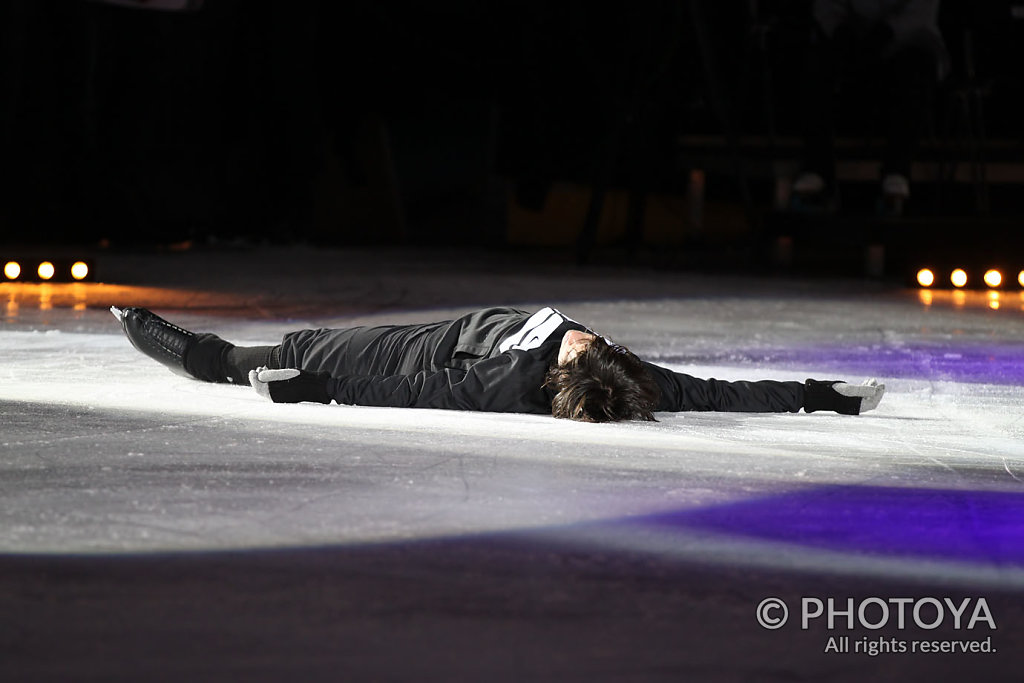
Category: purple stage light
[984,526]
[989,363]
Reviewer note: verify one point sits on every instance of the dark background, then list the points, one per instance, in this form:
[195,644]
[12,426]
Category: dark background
[385,122]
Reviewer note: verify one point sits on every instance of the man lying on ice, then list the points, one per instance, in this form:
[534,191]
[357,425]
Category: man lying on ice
[495,359]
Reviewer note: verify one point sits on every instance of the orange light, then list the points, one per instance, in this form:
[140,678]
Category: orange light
[993,278]
[80,270]
[958,277]
[1020,278]
[46,270]
[12,269]
[925,277]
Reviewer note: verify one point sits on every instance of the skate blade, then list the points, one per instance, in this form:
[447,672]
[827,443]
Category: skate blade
[118,313]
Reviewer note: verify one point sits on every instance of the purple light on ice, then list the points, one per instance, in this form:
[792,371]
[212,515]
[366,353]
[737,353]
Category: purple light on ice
[980,526]
[987,363]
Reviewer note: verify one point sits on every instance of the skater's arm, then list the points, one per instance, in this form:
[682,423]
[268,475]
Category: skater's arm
[680,391]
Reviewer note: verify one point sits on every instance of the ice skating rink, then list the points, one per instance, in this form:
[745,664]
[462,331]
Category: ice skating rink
[157,528]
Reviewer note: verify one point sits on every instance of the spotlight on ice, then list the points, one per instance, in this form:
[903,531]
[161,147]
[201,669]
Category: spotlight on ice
[925,277]
[993,278]
[79,270]
[12,269]
[958,277]
[46,270]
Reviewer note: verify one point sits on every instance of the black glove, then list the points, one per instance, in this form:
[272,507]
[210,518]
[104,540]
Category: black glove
[848,399]
[290,385]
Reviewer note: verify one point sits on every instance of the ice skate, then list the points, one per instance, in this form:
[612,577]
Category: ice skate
[155,337]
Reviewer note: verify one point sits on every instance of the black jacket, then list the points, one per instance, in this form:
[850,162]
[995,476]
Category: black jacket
[491,360]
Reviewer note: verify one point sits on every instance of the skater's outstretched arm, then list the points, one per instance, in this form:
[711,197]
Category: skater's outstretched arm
[680,392]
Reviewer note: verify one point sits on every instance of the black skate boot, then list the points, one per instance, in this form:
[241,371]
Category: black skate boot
[152,335]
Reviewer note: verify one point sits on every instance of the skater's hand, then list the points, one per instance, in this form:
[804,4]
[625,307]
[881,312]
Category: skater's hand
[290,385]
[869,393]
[841,397]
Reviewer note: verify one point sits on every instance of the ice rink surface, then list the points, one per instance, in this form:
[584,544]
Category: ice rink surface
[154,527]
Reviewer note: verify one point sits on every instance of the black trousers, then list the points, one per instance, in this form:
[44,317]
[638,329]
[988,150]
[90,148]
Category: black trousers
[380,350]
[213,359]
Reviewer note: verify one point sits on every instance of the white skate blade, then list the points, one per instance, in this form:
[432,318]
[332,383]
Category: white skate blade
[117,312]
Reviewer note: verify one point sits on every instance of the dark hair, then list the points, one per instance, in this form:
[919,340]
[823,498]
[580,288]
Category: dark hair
[605,383]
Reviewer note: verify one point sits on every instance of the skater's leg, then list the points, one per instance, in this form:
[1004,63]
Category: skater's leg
[325,350]
[203,356]
[213,359]
[242,359]
[380,350]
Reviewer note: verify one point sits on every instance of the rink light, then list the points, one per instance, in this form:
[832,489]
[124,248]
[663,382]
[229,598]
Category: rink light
[993,278]
[967,277]
[48,268]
